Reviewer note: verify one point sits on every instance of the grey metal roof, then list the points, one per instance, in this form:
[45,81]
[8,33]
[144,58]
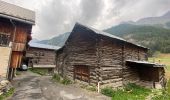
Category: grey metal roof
[108,35]
[43,46]
[16,13]
[146,63]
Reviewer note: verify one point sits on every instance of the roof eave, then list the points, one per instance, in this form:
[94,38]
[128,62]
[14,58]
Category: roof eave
[17,19]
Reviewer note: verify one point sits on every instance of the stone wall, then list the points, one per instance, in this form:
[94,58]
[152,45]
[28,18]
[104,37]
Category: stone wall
[4,60]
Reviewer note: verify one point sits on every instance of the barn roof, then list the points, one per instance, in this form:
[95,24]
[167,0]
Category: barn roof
[145,63]
[106,34]
[16,13]
[43,46]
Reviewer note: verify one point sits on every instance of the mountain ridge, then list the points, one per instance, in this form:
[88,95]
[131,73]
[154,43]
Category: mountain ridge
[149,35]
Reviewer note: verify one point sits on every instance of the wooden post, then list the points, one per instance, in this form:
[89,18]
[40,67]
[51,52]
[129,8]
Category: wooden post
[98,87]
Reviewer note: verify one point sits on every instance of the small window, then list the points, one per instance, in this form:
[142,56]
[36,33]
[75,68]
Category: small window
[4,39]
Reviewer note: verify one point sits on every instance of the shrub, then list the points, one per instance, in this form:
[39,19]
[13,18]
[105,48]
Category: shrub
[108,91]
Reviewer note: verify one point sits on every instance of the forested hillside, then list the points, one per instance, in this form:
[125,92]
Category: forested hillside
[155,38]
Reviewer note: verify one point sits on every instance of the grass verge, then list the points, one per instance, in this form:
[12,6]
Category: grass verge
[7,94]
[39,71]
[62,80]
[130,92]
[165,93]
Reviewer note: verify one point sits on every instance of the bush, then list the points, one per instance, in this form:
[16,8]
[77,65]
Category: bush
[108,91]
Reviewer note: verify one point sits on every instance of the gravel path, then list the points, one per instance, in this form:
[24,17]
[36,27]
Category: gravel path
[30,86]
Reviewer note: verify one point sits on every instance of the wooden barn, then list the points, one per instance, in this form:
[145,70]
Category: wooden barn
[41,56]
[92,56]
[15,32]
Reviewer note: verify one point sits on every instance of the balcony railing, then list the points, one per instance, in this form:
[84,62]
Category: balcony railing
[4,39]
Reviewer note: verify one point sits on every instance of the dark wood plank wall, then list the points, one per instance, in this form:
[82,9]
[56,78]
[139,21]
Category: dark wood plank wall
[132,52]
[111,62]
[21,34]
[79,50]
[6,27]
[104,56]
[40,56]
[161,76]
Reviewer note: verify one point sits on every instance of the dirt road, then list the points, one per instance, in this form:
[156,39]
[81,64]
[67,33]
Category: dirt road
[30,86]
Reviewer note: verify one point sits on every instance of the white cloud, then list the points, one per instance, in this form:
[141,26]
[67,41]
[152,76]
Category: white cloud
[54,17]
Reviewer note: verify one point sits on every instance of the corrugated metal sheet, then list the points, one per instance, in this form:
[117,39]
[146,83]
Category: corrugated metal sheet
[43,46]
[16,12]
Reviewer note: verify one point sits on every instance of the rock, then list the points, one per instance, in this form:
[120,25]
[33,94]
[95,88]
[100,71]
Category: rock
[4,82]
[5,85]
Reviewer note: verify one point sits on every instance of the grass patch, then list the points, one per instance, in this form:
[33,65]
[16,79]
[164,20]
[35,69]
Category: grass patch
[39,71]
[91,88]
[165,93]
[130,92]
[7,94]
[18,73]
[59,79]
[163,59]
[108,91]
[56,77]
[66,81]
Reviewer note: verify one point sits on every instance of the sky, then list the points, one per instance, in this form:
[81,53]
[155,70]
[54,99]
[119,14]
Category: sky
[55,17]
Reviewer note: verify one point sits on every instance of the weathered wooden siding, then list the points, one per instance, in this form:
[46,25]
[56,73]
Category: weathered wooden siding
[79,50]
[131,52]
[111,62]
[38,56]
[105,57]
[20,39]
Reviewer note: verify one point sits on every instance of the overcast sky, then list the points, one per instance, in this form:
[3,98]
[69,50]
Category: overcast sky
[54,17]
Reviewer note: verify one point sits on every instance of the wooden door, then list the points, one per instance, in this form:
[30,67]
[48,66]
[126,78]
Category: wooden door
[82,73]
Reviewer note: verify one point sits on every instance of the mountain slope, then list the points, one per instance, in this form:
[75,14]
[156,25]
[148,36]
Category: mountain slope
[155,38]
[58,40]
[159,21]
